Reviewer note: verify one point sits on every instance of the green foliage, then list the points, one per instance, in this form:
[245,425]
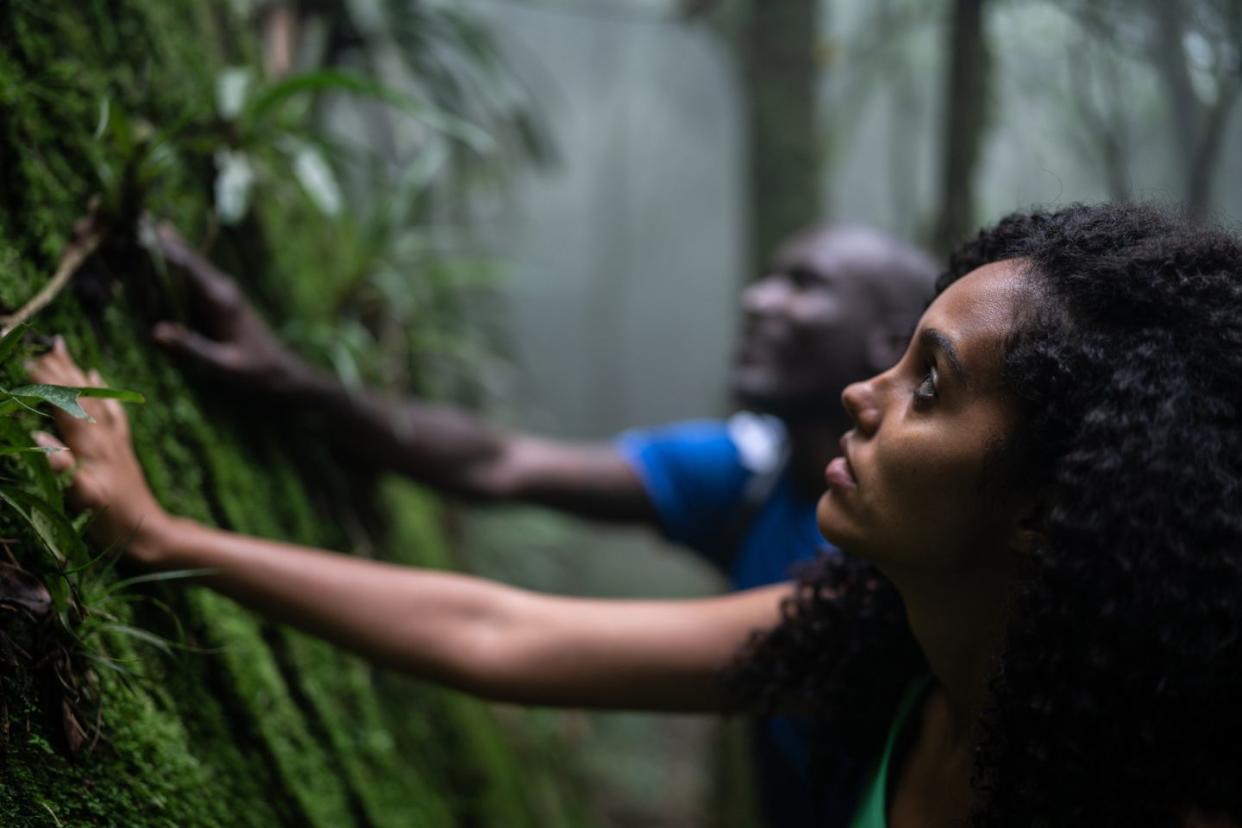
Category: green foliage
[154,704]
[262,134]
[404,308]
[63,397]
[268,101]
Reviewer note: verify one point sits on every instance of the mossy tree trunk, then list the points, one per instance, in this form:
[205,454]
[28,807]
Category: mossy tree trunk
[252,724]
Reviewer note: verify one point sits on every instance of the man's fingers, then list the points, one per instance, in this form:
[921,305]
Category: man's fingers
[184,342]
[61,460]
[208,282]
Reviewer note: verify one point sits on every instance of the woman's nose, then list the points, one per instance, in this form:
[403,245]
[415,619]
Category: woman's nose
[861,403]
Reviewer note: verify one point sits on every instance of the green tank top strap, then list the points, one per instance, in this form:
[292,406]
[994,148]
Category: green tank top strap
[873,805]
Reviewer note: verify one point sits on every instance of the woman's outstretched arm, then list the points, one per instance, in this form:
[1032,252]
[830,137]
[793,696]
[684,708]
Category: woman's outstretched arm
[466,632]
[477,635]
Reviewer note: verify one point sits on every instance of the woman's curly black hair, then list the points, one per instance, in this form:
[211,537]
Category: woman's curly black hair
[1117,696]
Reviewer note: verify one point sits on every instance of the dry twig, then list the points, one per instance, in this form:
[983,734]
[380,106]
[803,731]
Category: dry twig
[85,242]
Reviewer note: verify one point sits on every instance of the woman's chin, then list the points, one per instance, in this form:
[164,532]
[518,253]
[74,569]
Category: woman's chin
[835,525]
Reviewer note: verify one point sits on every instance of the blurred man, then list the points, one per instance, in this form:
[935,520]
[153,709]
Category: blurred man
[836,306]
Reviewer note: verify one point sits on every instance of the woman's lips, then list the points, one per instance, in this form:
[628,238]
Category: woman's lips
[839,474]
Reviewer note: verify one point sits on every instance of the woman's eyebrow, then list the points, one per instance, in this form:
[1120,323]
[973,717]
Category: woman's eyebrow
[936,340]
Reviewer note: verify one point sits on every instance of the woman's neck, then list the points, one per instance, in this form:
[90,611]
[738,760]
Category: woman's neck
[959,621]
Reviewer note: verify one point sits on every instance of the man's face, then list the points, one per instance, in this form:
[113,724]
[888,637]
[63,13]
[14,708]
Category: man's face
[805,326]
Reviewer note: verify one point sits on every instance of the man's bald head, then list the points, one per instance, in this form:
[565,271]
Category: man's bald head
[834,308]
[900,278]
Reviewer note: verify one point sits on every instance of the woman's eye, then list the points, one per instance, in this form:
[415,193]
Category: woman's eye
[926,391]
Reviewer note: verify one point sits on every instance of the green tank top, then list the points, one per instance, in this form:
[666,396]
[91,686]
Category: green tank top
[873,806]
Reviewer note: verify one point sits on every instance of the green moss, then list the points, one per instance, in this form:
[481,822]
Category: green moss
[267,727]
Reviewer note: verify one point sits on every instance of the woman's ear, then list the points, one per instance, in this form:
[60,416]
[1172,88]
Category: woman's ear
[1028,532]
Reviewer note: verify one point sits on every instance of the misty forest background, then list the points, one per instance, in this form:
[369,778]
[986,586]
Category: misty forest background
[521,206]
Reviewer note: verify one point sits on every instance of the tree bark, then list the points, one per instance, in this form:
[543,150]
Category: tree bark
[1168,42]
[1199,125]
[784,154]
[965,121]
[1202,174]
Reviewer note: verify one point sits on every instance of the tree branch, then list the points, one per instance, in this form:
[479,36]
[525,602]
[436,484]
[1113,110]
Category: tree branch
[79,249]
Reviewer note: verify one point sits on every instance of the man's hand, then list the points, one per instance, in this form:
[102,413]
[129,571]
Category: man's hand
[234,344]
[437,445]
[106,474]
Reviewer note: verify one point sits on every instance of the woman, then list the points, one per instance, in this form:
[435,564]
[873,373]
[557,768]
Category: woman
[1039,623]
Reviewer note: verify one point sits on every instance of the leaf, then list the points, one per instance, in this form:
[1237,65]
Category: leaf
[47,807]
[232,84]
[66,399]
[159,642]
[10,342]
[41,743]
[264,103]
[105,114]
[234,181]
[155,577]
[14,434]
[49,523]
[317,179]
[112,394]
[90,563]
[115,665]
[276,94]
[30,449]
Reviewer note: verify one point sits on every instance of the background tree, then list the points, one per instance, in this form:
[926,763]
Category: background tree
[1195,48]
[966,111]
[780,45]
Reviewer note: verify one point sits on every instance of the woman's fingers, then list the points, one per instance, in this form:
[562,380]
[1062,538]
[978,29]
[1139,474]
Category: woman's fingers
[106,474]
[57,367]
[114,413]
[61,459]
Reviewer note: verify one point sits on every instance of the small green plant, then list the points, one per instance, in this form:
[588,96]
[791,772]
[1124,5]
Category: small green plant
[63,614]
[261,134]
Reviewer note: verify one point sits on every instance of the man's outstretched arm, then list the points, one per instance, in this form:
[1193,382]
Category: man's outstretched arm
[437,445]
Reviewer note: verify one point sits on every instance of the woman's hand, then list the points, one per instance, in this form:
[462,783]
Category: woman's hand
[106,474]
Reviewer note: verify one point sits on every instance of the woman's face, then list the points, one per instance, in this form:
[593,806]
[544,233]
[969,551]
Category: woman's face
[912,490]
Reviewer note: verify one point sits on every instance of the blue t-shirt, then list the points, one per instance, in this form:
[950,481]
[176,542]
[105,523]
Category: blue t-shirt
[724,490]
